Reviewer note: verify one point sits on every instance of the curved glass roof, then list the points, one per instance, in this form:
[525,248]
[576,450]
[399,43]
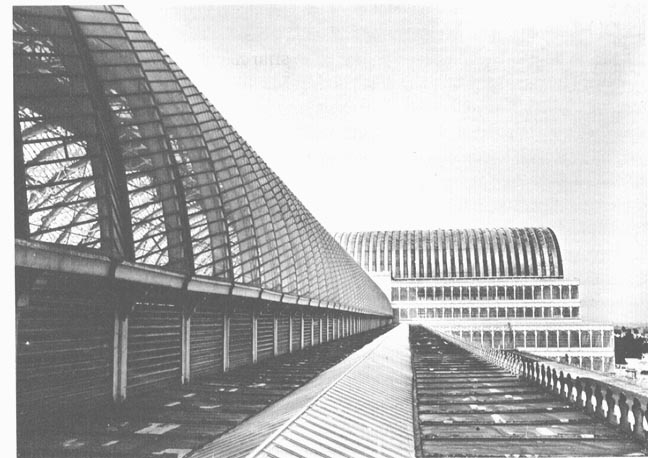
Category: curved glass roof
[462,253]
[117,151]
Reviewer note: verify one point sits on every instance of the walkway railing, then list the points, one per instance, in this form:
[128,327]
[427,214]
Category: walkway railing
[604,399]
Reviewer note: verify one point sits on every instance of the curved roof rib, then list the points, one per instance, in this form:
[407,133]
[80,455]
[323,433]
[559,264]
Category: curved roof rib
[472,253]
[123,155]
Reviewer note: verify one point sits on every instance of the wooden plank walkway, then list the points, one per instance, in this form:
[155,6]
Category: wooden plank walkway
[467,407]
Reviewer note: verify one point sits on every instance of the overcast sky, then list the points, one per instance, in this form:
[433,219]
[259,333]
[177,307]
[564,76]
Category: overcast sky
[445,116]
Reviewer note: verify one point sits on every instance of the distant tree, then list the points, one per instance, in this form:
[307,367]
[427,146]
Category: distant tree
[627,346]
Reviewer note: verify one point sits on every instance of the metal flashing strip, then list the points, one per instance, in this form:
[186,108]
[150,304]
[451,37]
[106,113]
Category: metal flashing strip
[361,407]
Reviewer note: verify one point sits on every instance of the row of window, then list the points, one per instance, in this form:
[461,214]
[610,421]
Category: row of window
[577,338]
[488,312]
[479,293]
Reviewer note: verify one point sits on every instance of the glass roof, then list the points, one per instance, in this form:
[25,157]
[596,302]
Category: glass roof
[121,153]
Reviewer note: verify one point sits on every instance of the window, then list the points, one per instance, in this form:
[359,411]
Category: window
[501,293]
[575,312]
[607,339]
[447,293]
[519,312]
[537,292]
[456,313]
[403,294]
[474,293]
[430,313]
[574,339]
[528,312]
[492,312]
[542,339]
[412,294]
[510,312]
[412,313]
[574,292]
[547,312]
[421,312]
[519,293]
[528,293]
[555,292]
[519,338]
[497,338]
[597,339]
[456,293]
[483,312]
[552,339]
[447,313]
[537,312]
[546,292]
[566,312]
[597,363]
[510,293]
[474,312]
[585,339]
[565,292]
[465,312]
[465,293]
[394,294]
[501,312]
[476,337]
[429,293]
[492,291]
[563,339]
[530,339]
[483,293]
[488,339]
[438,293]
[403,313]
[421,293]
[557,311]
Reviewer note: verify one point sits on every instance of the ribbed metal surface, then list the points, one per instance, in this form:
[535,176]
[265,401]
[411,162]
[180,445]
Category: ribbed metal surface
[283,333]
[296,332]
[265,335]
[308,325]
[316,331]
[240,351]
[206,341]
[360,408]
[154,348]
[63,345]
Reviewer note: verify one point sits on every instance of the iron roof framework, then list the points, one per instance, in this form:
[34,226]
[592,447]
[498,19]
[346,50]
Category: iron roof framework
[118,152]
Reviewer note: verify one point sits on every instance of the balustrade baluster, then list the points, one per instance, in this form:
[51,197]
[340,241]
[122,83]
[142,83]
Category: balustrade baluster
[638,429]
[598,395]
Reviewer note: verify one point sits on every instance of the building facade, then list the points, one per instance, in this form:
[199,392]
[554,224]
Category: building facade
[153,245]
[498,287]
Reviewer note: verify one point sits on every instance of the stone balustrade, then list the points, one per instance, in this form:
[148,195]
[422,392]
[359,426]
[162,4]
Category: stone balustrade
[597,395]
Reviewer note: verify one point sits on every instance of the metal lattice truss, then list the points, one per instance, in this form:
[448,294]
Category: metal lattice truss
[121,153]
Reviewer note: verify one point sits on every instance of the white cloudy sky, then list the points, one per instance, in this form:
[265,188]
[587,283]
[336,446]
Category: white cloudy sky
[444,116]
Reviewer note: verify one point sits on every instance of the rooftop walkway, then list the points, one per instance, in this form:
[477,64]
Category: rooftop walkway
[468,407]
[173,421]
[402,393]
